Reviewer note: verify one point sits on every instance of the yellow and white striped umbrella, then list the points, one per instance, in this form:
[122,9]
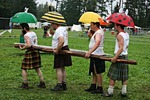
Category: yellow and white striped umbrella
[53,17]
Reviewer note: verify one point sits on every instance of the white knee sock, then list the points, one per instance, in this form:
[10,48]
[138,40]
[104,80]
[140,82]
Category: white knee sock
[124,89]
[110,89]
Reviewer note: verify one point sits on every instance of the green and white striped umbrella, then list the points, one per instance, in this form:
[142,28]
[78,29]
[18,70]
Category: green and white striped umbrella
[53,17]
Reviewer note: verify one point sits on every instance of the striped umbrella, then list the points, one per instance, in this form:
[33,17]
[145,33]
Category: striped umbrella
[53,17]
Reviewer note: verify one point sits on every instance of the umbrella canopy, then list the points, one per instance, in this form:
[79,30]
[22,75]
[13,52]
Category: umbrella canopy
[103,23]
[89,17]
[23,17]
[53,17]
[121,18]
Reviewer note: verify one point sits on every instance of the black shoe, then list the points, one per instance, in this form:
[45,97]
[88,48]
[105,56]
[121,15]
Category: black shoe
[58,87]
[108,95]
[41,85]
[24,86]
[91,88]
[123,94]
[64,85]
[98,90]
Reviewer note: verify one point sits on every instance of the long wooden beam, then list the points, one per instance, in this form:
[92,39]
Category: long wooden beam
[74,52]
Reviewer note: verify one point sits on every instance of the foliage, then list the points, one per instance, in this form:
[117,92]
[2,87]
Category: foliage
[41,9]
[77,75]
[91,5]
[101,8]
[71,11]
[72,8]
[137,10]
[9,7]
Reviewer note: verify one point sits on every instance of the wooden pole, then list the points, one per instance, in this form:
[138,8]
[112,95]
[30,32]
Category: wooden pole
[74,52]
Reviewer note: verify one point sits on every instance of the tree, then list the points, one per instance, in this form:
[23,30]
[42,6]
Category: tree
[9,7]
[116,9]
[70,9]
[5,8]
[137,10]
[91,5]
[42,9]
[73,9]
[101,8]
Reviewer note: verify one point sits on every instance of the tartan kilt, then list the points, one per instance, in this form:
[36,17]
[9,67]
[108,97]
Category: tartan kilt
[119,71]
[62,60]
[32,60]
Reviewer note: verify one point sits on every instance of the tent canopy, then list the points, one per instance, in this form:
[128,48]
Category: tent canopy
[76,28]
[137,27]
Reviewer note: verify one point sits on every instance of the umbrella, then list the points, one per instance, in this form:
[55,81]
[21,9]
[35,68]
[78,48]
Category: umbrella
[103,23]
[23,17]
[89,17]
[53,17]
[121,18]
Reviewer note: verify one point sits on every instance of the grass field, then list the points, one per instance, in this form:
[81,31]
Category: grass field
[77,75]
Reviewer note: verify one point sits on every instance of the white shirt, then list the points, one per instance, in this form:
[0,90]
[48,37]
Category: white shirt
[99,50]
[126,43]
[33,37]
[60,31]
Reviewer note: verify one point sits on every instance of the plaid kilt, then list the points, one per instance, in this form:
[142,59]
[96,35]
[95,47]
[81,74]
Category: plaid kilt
[32,60]
[61,60]
[119,71]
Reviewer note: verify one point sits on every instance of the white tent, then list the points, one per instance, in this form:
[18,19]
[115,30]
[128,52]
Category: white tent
[86,25]
[137,27]
[35,25]
[46,23]
[136,31]
[76,28]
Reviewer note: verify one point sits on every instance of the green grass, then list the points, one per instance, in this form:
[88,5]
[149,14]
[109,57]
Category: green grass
[77,75]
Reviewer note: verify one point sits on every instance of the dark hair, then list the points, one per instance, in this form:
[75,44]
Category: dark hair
[92,31]
[121,26]
[96,23]
[25,25]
